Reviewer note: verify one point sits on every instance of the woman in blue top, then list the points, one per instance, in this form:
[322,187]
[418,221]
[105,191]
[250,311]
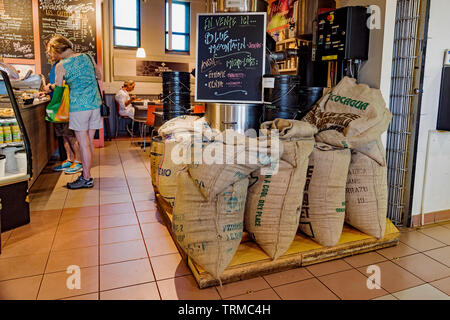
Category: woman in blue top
[72,164]
[80,74]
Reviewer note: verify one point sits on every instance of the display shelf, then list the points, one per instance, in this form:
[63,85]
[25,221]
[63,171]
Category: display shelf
[251,261]
[10,178]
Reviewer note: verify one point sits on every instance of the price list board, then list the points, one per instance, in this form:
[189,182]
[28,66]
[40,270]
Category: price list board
[73,19]
[230,57]
[16,29]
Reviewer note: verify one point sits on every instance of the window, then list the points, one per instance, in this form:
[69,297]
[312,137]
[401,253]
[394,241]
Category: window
[126,21]
[177,26]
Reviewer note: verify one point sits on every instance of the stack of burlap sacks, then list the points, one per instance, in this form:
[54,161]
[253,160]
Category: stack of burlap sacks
[347,175]
[331,168]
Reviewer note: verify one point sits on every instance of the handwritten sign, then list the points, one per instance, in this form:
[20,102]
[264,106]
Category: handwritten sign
[16,29]
[73,19]
[230,57]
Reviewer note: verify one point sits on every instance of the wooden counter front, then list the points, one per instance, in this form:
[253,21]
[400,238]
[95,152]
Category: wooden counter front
[41,135]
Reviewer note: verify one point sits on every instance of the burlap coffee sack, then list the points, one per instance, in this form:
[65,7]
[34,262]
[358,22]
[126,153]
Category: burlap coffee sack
[209,231]
[351,115]
[323,209]
[273,201]
[366,195]
[236,159]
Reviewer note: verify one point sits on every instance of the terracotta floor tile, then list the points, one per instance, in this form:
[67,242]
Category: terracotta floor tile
[84,297]
[364,259]
[20,289]
[116,208]
[393,277]
[285,277]
[266,294]
[143,196]
[423,267]
[125,274]
[23,266]
[80,212]
[75,203]
[351,285]
[114,191]
[400,250]
[310,289]
[78,224]
[154,230]
[54,285]
[120,234]
[328,267]
[33,230]
[185,288]
[386,297]
[122,251]
[117,198]
[443,285]
[118,220]
[82,257]
[158,246]
[419,241]
[149,217]
[169,266]
[146,205]
[241,287]
[72,240]
[441,254]
[147,291]
[423,292]
[47,205]
[39,243]
[439,233]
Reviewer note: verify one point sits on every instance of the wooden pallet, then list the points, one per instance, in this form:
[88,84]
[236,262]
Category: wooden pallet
[251,261]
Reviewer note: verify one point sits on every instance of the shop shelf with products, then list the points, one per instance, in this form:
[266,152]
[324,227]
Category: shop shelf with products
[288,66]
[15,160]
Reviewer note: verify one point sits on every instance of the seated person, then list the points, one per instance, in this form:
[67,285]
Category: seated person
[124,99]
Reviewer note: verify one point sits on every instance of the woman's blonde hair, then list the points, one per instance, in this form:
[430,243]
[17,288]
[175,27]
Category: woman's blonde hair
[58,44]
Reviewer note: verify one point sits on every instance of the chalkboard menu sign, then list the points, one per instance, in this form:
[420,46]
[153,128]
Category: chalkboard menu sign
[16,29]
[73,19]
[230,57]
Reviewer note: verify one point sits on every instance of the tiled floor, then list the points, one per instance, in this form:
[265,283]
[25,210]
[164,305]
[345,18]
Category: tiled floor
[114,234]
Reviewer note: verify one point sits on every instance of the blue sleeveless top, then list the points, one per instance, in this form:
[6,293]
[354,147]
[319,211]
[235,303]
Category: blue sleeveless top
[81,78]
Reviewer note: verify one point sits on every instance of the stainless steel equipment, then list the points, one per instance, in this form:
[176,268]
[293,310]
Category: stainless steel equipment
[239,117]
[214,6]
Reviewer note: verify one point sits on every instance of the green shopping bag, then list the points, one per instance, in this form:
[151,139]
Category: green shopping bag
[58,108]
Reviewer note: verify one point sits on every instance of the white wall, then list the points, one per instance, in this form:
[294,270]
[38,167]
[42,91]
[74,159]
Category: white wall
[430,142]
[120,64]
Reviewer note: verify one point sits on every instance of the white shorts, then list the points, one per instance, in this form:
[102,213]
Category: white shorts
[85,120]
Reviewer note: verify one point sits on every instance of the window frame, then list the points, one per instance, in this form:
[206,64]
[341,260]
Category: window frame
[168,33]
[137,29]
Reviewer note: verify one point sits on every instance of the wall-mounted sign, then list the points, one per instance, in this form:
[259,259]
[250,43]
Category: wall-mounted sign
[73,19]
[155,68]
[230,57]
[16,29]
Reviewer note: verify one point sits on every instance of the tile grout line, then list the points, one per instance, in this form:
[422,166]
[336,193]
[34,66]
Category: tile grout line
[272,287]
[139,224]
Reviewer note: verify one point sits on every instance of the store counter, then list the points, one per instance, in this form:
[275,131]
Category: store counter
[41,135]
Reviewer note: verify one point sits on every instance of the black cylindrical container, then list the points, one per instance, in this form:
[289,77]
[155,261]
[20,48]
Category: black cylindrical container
[308,96]
[176,94]
[282,100]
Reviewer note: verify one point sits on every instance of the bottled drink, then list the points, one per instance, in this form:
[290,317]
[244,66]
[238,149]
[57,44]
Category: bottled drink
[15,130]
[7,132]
